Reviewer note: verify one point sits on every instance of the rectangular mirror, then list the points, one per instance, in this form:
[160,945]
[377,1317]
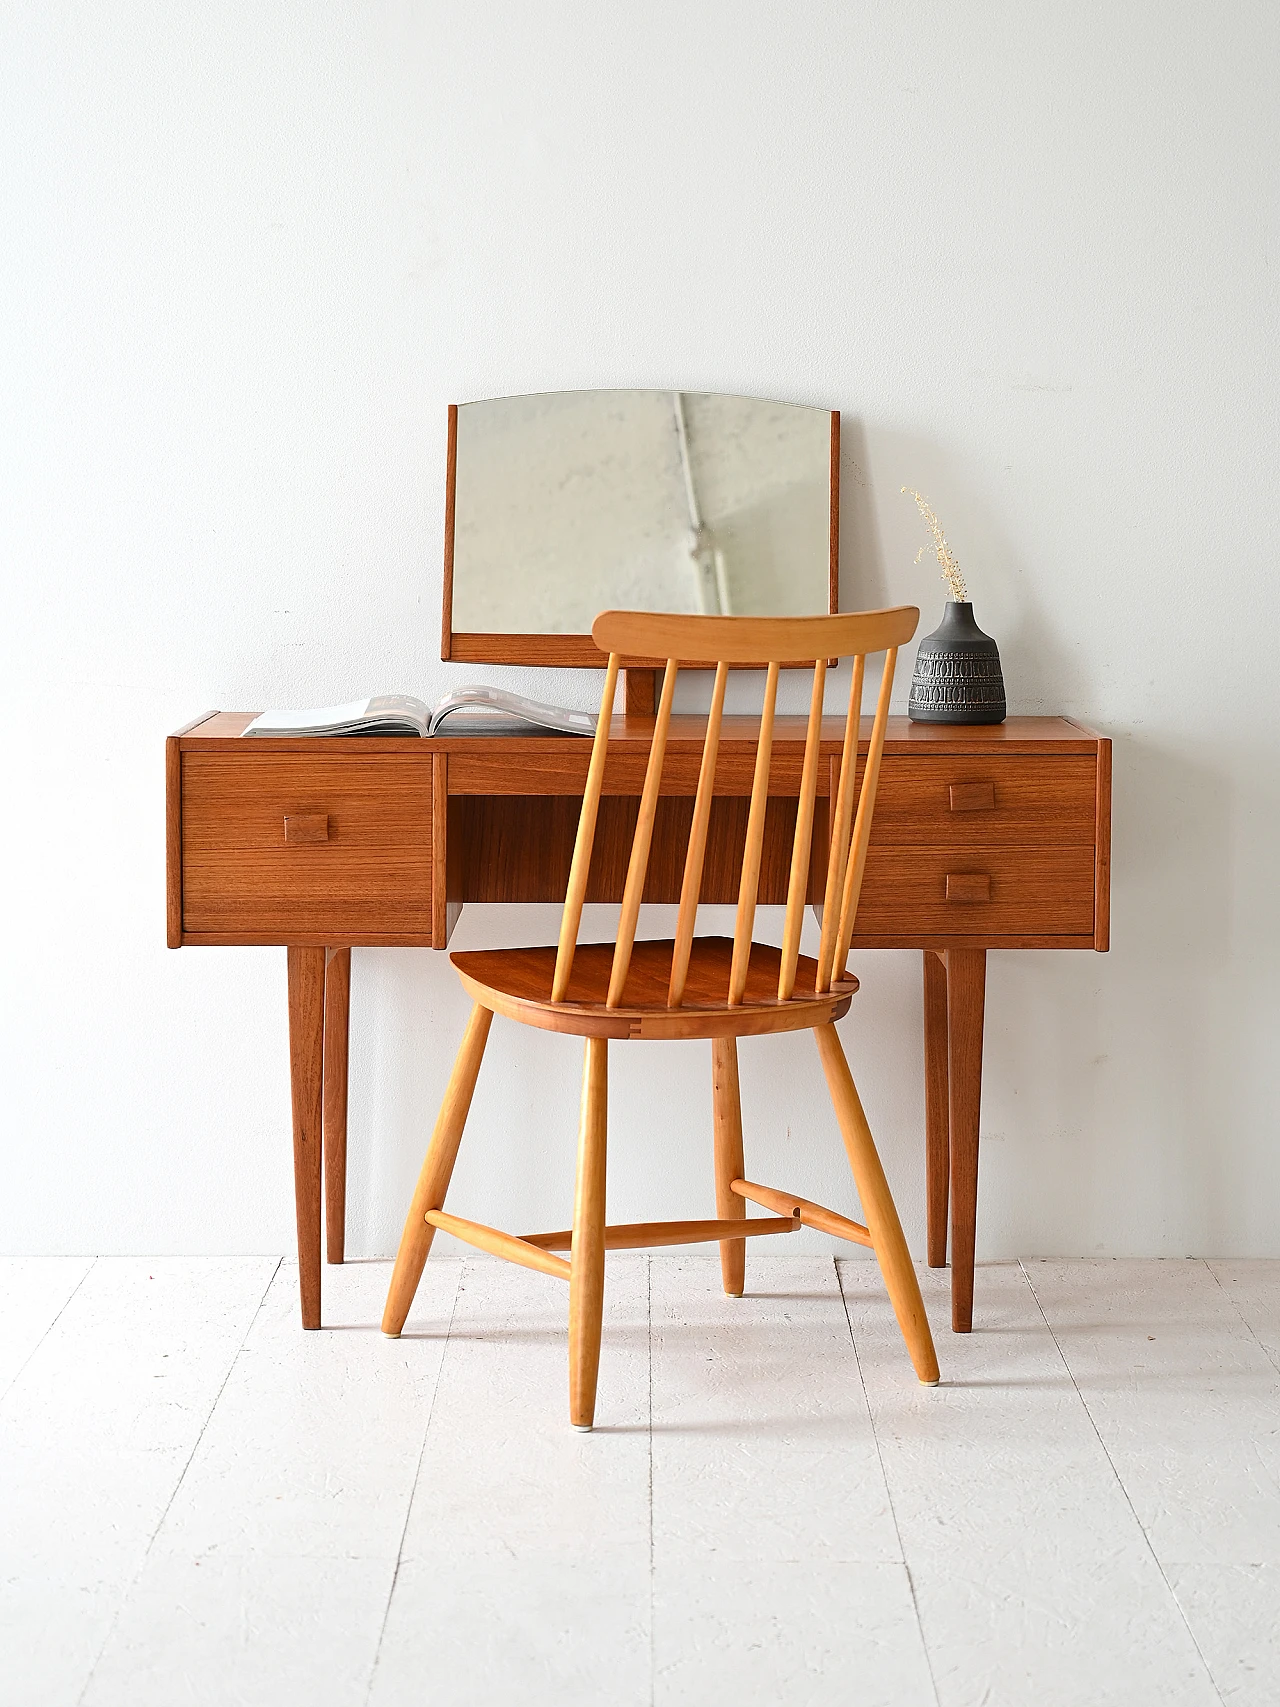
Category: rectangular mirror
[563,504]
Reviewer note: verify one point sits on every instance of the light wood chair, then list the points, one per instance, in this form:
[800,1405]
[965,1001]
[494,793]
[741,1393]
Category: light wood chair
[691,987]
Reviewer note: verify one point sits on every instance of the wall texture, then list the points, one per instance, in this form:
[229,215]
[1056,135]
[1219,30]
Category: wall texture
[252,250]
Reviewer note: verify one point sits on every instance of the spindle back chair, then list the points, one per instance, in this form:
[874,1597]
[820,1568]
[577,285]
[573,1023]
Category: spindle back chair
[692,987]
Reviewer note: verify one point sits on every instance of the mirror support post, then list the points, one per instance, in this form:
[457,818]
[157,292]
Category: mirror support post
[639,692]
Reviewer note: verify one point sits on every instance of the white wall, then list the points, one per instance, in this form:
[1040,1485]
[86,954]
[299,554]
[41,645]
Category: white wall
[250,252]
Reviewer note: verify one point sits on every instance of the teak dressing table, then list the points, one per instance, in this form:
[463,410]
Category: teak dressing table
[983,837]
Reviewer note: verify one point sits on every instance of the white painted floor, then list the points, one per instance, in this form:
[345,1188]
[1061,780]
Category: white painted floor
[201,1503]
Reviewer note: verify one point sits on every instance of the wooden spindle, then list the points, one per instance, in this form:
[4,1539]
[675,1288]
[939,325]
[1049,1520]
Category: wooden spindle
[691,886]
[842,819]
[639,864]
[750,884]
[640,1235]
[798,885]
[579,871]
[499,1244]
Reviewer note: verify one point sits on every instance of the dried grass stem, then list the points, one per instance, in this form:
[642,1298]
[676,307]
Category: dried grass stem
[946,557]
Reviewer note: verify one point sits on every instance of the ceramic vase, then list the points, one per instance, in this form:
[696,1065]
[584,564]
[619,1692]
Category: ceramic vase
[957,677]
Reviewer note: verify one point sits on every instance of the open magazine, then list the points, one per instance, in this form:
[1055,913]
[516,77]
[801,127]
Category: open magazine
[475,710]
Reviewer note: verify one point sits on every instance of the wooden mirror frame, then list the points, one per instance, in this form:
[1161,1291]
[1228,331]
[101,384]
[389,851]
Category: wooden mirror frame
[577,651]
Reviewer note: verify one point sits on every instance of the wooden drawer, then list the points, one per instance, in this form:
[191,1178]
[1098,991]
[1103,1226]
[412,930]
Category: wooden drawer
[282,847]
[998,801]
[922,892]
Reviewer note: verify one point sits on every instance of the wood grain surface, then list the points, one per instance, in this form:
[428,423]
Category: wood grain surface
[241,870]
[1013,819]
[1030,889]
[1102,852]
[1015,734]
[510,817]
[937,1128]
[952,801]
[752,640]
[337,1031]
[306,1074]
[517,982]
[966,999]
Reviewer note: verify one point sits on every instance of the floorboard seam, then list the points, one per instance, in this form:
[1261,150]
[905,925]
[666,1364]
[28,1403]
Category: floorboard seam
[182,1476]
[93,1263]
[1155,1557]
[888,1491]
[417,1473]
[1236,1308]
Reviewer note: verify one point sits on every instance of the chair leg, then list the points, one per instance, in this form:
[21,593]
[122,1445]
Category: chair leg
[437,1170]
[878,1207]
[727,1107]
[586,1256]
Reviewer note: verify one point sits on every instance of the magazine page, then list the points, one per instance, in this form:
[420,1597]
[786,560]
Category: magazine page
[505,708]
[386,714]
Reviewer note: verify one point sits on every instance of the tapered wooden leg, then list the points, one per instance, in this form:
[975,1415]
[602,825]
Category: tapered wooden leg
[729,1166]
[586,1256]
[878,1207]
[937,1131]
[337,1010]
[966,999]
[437,1170]
[306,1076]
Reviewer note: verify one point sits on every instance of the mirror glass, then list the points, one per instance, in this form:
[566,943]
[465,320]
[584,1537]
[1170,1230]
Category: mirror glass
[568,503]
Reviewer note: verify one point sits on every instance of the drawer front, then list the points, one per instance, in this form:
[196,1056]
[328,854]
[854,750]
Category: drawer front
[910,892]
[559,768]
[277,846]
[969,802]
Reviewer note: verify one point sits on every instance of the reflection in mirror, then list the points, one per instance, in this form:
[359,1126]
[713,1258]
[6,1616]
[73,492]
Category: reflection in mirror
[568,503]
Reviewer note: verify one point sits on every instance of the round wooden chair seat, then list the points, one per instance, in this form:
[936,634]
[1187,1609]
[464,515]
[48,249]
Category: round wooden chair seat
[516,982]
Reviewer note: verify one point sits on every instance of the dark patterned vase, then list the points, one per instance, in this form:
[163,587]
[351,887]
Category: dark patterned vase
[957,677]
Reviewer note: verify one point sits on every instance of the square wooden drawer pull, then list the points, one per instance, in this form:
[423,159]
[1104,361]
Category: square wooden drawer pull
[973,796]
[968,886]
[306,827]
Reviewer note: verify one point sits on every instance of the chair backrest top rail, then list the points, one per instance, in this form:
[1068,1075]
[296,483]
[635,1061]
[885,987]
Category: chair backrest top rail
[706,641]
